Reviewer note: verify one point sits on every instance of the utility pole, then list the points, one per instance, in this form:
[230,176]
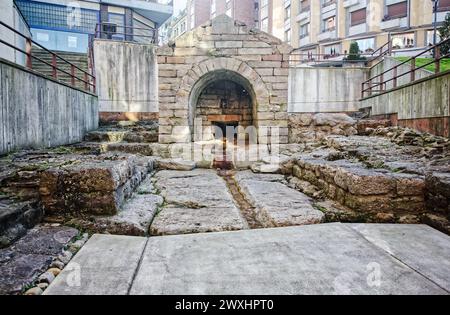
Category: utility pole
[435,10]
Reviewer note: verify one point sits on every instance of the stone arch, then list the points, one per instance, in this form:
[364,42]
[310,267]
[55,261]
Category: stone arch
[202,74]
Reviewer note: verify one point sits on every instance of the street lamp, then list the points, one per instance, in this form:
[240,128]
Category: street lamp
[435,10]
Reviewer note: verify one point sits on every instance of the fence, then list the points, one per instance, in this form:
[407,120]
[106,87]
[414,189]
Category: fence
[88,79]
[377,83]
[126,33]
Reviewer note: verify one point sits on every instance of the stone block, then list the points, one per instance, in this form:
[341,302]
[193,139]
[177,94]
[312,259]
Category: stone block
[176,60]
[228,44]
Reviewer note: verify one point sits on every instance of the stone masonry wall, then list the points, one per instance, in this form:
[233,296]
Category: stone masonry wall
[256,60]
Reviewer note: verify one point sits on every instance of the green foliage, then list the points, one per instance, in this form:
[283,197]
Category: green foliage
[354,54]
[444,32]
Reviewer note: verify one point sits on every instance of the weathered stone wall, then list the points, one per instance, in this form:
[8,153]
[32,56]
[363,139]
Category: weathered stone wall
[38,112]
[127,80]
[222,49]
[318,90]
[312,127]
[237,107]
[423,105]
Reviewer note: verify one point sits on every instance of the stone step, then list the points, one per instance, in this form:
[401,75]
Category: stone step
[16,218]
[123,136]
[95,186]
[277,205]
[133,218]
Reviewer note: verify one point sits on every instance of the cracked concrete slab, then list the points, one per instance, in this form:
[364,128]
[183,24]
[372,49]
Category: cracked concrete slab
[411,245]
[104,266]
[315,259]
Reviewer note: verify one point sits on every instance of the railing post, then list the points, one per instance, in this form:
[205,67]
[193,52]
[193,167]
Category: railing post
[389,47]
[54,66]
[395,77]
[362,90]
[437,57]
[381,82]
[94,85]
[86,85]
[413,69]
[28,48]
[72,74]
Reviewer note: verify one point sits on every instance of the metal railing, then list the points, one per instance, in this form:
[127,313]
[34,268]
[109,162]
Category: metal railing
[130,33]
[88,79]
[378,84]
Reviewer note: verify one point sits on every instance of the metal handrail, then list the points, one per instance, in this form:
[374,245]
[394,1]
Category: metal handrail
[412,62]
[126,34]
[29,63]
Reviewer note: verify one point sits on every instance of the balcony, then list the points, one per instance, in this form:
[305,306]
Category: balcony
[359,28]
[394,22]
[157,11]
[303,15]
[304,40]
[327,34]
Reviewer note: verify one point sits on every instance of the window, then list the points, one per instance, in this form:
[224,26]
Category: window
[265,25]
[265,15]
[396,11]
[332,50]
[213,8]
[443,5]
[366,45]
[304,30]
[430,37]
[358,17]
[229,7]
[119,20]
[287,36]
[304,5]
[183,27]
[192,15]
[287,13]
[329,24]
[400,41]
[56,17]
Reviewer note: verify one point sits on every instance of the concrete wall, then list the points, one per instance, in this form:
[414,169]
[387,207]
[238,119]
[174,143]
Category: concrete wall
[423,105]
[10,16]
[38,112]
[313,90]
[127,77]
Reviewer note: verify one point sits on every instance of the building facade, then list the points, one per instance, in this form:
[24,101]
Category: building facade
[329,26]
[200,11]
[64,25]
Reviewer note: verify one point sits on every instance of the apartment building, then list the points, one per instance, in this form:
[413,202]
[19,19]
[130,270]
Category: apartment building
[329,26]
[67,25]
[200,11]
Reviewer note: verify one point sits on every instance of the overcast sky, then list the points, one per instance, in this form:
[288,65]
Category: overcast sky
[178,5]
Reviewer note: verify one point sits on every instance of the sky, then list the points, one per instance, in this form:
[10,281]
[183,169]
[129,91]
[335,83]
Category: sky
[178,5]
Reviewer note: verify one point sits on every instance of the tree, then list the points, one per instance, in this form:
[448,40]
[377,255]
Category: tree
[354,54]
[444,32]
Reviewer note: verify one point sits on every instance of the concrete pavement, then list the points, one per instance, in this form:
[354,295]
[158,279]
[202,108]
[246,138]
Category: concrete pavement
[319,259]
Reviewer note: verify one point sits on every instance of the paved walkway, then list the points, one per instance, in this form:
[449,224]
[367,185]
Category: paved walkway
[317,259]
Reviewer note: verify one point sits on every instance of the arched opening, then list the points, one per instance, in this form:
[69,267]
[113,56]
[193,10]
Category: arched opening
[221,100]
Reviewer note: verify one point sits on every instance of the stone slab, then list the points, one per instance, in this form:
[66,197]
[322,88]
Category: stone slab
[276,204]
[317,259]
[195,201]
[105,265]
[30,256]
[422,248]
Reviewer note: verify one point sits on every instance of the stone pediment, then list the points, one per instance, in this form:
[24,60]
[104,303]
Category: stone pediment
[230,31]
